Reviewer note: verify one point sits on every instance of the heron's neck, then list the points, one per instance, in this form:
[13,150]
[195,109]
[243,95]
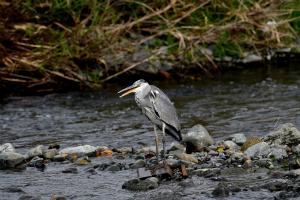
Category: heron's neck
[142,92]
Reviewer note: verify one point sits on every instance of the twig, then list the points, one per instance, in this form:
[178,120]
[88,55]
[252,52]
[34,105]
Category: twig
[128,68]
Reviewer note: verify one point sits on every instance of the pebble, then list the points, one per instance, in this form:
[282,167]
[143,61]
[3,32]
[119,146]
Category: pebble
[138,164]
[220,190]
[50,153]
[71,170]
[113,168]
[58,158]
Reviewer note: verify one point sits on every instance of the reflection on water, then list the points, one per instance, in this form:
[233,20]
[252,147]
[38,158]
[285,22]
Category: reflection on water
[251,101]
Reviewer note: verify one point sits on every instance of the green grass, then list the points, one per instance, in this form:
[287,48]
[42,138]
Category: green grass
[71,36]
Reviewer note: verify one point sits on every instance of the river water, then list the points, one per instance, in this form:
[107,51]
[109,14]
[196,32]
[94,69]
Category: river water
[250,101]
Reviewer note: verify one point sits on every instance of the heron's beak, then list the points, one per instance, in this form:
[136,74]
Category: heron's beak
[131,88]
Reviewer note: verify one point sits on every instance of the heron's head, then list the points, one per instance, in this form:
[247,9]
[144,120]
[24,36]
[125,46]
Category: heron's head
[135,87]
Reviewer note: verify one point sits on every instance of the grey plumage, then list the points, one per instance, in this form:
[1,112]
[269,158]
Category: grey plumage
[158,108]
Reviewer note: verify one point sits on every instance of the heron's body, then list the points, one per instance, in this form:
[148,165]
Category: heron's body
[158,108]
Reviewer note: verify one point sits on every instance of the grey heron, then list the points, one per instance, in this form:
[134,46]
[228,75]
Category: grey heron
[158,108]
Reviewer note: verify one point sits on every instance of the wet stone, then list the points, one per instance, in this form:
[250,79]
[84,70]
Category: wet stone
[80,151]
[231,145]
[50,153]
[213,153]
[58,158]
[12,189]
[296,149]
[278,153]
[36,162]
[238,138]
[177,163]
[186,183]
[177,147]
[217,178]
[138,164]
[287,134]
[12,159]
[204,172]
[83,161]
[29,197]
[37,151]
[254,188]
[7,147]
[275,185]
[154,179]
[139,185]
[187,157]
[293,173]
[250,142]
[141,156]
[113,168]
[231,187]
[220,190]
[196,139]
[103,166]
[260,149]
[248,164]
[91,171]
[71,170]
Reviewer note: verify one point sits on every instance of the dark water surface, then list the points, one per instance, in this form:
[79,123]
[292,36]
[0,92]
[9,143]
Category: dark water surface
[249,101]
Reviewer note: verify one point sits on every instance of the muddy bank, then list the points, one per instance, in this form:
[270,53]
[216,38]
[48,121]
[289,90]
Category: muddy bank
[268,167]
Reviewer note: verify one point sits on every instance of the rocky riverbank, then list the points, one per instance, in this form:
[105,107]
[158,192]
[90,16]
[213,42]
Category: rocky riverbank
[235,168]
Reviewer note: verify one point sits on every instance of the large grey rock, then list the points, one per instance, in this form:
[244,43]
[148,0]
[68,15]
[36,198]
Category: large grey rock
[7,147]
[50,153]
[278,153]
[287,134]
[138,185]
[259,149]
[37,151]
[80,151]
[238,138]
[197,138]
[204,172]
[12,159]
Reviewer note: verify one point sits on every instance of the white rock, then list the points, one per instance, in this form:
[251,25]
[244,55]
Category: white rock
[86,150]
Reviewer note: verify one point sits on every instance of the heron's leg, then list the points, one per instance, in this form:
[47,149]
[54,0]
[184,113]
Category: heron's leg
[164,143]
[156,141]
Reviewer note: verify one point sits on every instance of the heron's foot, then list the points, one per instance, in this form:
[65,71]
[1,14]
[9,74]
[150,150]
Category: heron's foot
[156,167]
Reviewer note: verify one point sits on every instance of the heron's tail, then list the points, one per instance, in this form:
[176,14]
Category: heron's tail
[176,134]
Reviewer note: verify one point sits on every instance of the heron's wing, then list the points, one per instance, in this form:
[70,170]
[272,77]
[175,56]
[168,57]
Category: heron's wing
[163,107]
